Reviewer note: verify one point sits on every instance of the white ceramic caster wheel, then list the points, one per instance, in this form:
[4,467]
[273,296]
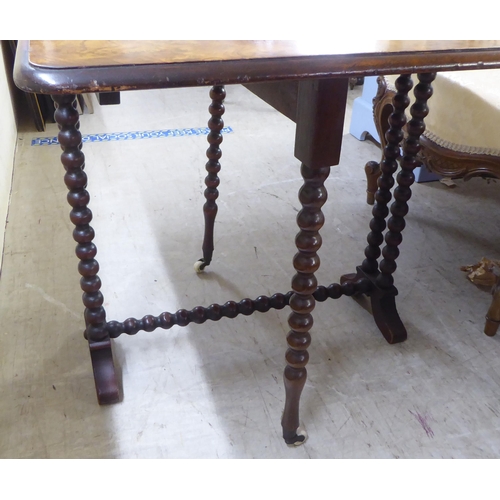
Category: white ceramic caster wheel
[199,266]
[300,432]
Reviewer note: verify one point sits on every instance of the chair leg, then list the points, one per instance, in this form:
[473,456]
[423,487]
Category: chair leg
[373,172]
[215,124]
[493,315]
[383,107]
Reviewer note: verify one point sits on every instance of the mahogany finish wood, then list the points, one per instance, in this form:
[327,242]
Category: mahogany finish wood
[318,137]
[230,309]
[214,153]
[306,262]
[437,159]
[282,96]
[84,66]
[316,81]
[405,178]
[384,292]
[388,167]
[73,160]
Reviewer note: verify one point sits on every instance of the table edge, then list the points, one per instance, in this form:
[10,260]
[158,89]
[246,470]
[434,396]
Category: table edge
[44,80]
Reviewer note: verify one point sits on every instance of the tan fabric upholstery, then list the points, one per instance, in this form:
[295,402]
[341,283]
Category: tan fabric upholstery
[464,111]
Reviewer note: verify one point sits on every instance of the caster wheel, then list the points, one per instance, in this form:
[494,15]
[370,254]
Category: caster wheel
[199,266]
[301,438]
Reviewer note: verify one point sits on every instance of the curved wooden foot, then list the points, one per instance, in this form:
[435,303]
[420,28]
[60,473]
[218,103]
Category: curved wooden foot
[104,373]
[294,383]
[383,307]
[387,318]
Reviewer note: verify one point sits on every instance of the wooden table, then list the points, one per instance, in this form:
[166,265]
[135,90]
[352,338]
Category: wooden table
[306,81]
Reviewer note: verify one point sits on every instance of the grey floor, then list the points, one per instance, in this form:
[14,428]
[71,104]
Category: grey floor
[215,390]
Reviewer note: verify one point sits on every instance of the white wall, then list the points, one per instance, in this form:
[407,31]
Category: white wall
[8,137]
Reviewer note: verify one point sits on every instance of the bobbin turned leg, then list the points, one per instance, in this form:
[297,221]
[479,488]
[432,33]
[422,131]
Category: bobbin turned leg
[383,302]
[383,294]
[402,194]
[306,262]
[320,113]
[215,124]
[75,179]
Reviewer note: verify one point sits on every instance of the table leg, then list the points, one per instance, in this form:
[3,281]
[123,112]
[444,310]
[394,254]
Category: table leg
[78,197]
[409,161]
[383,294]
[215,124]
[318,140]
[310,219]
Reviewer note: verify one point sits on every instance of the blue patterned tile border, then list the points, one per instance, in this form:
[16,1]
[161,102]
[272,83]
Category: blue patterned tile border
[130,136]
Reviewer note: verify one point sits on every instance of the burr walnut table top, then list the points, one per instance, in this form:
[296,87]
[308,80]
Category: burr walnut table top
[77,66]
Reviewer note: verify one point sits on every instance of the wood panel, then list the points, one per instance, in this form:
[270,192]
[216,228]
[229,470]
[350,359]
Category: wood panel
[282,96]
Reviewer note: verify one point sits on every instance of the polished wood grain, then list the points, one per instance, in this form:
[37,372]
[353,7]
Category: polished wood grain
[81,66]
[87,53]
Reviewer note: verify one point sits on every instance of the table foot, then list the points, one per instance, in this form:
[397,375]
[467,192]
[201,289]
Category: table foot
[387,318]
[294,380]
[383,306]
[106,383]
